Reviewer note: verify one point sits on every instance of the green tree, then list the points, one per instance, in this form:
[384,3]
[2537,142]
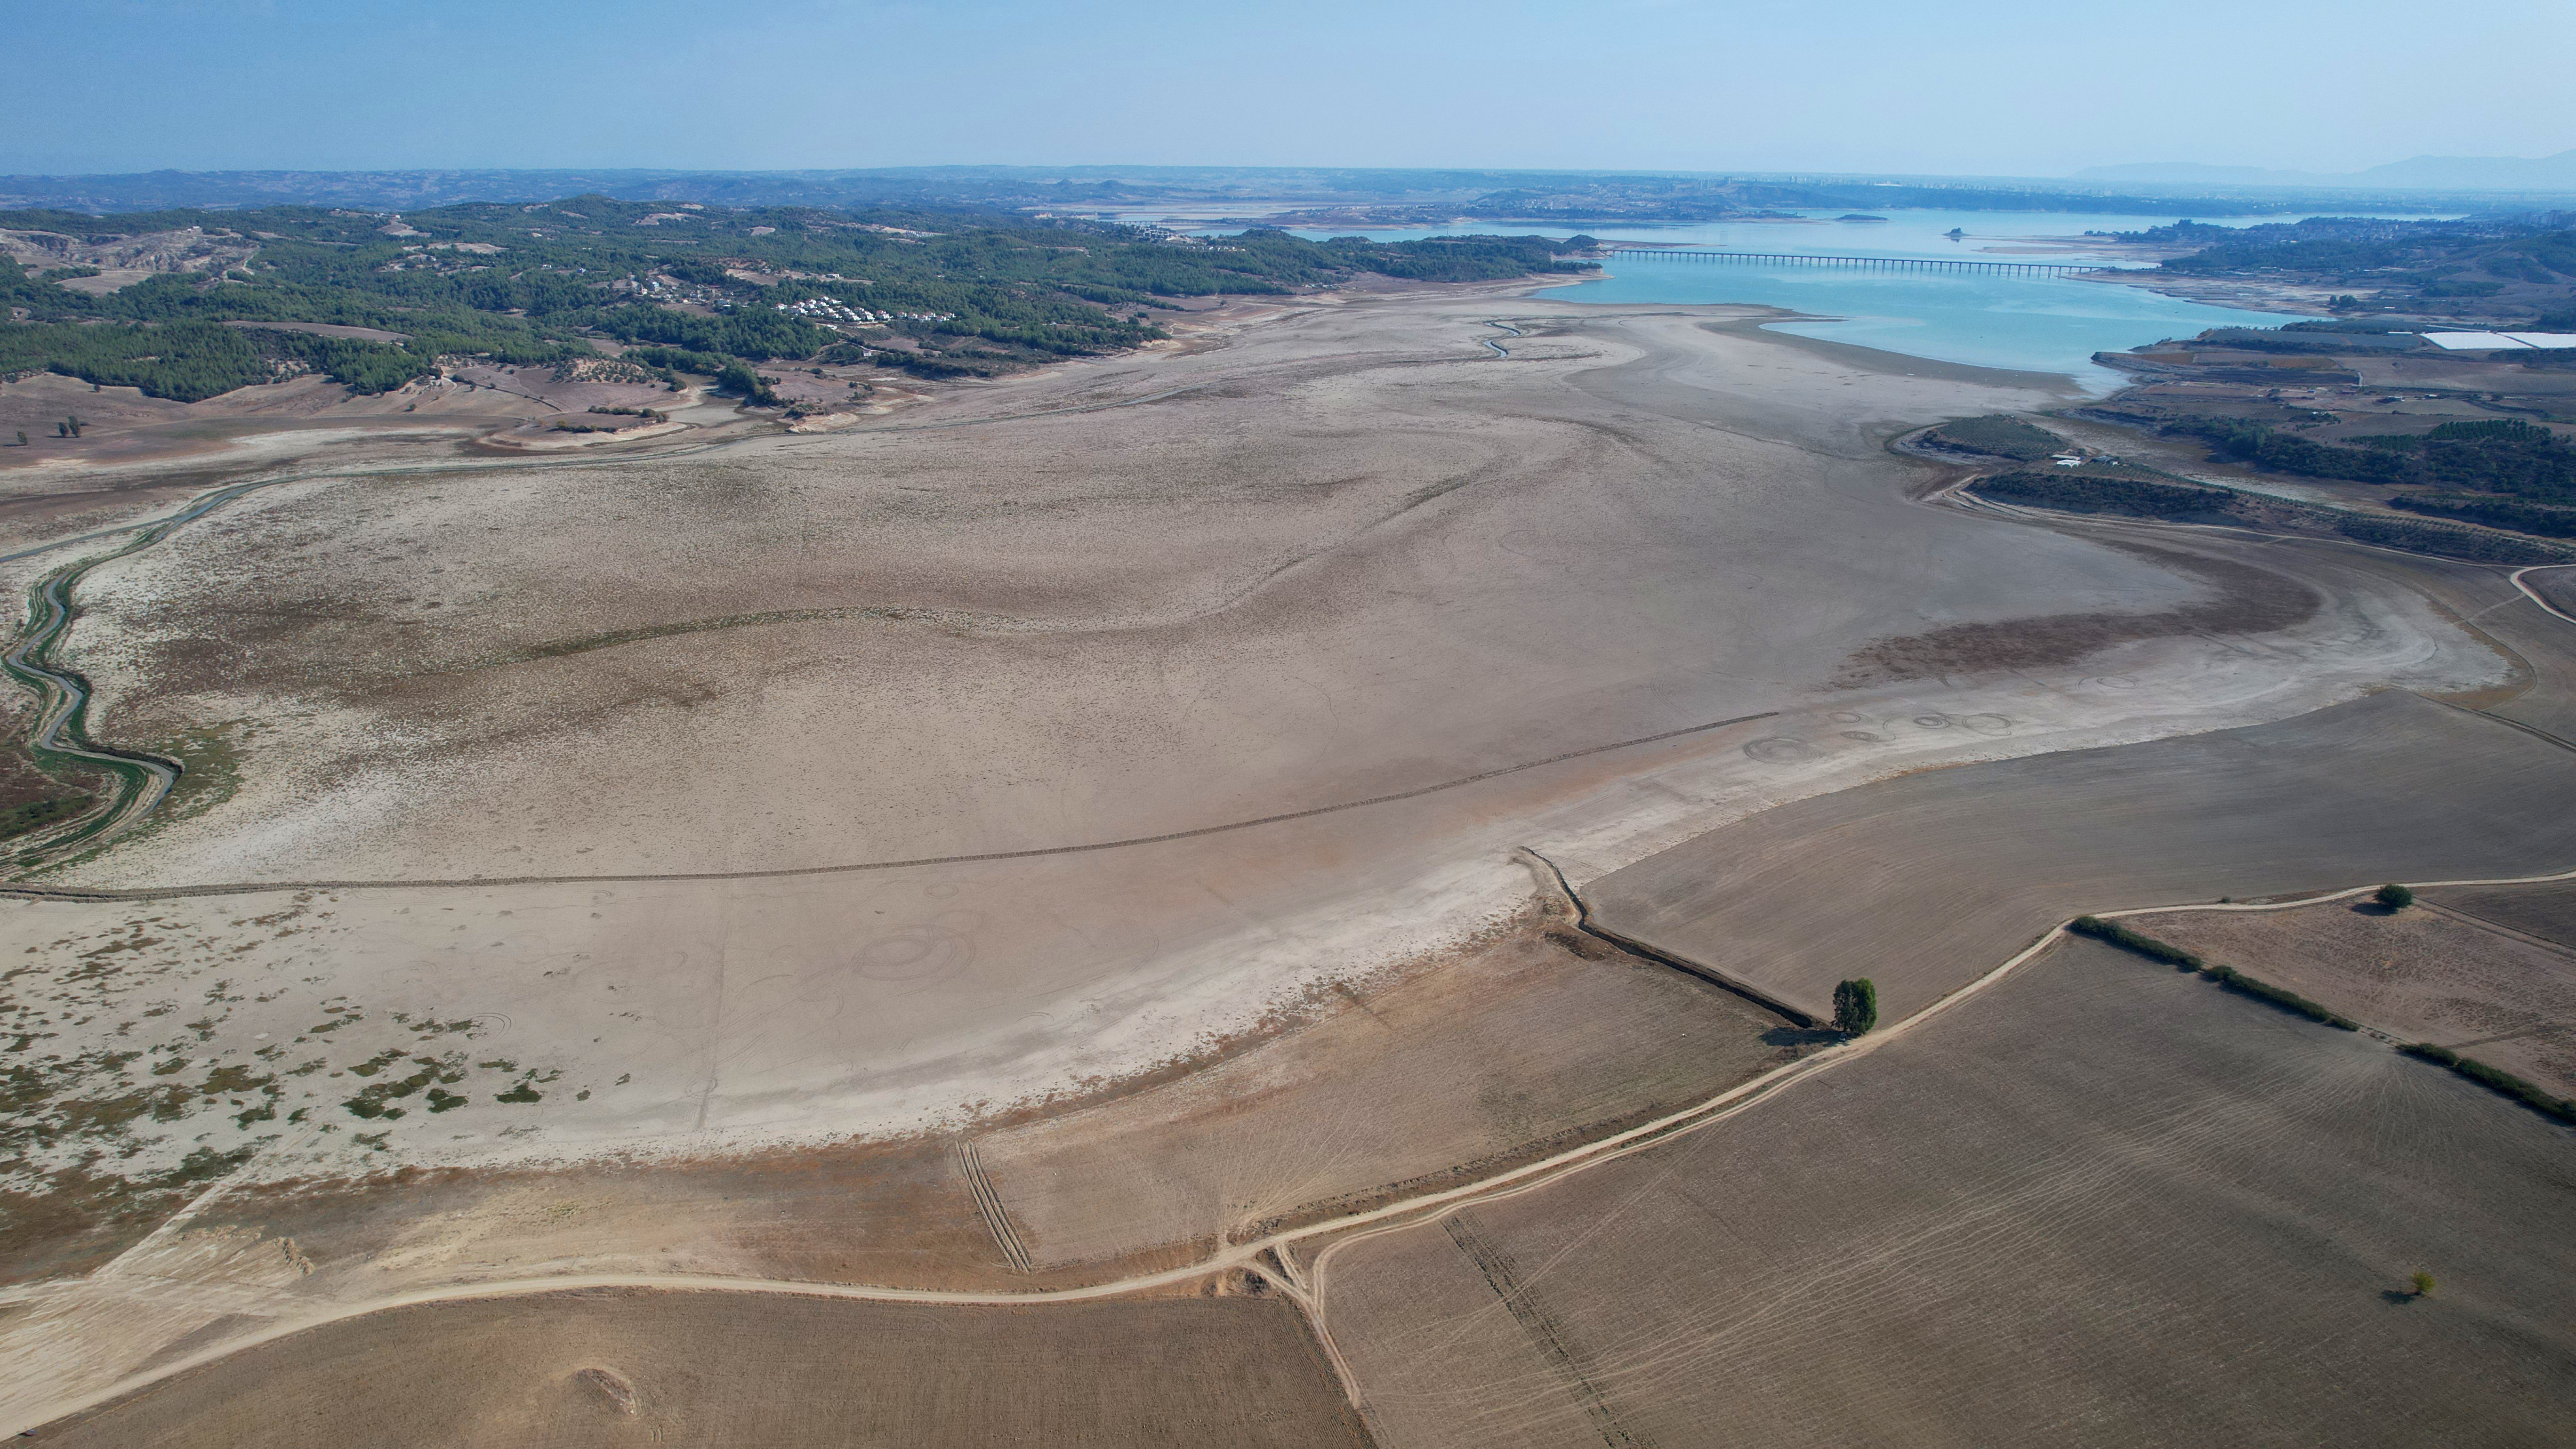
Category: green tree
[2395,897]
[2422,1283]
[1855,1006]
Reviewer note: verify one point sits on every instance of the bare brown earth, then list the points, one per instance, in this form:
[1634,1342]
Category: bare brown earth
[130,441]
[2245,600]
[2426,974]
[1515,1047]
[2547,912]
[1961,867]
[731,1369]
[1338,562]
[1360,556]
[2103,1203]
[1530,1043]
[1509,1046]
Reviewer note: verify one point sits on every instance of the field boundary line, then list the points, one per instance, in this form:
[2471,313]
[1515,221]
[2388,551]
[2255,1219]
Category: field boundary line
[33,891]
[1583,922]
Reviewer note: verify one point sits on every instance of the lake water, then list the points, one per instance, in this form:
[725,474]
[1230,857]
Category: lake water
[2028,324]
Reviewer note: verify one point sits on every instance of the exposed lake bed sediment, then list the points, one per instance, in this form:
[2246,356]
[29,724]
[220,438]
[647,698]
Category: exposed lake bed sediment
[888,781]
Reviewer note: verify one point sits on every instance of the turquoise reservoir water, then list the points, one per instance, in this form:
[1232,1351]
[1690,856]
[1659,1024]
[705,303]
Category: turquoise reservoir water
[2027,324]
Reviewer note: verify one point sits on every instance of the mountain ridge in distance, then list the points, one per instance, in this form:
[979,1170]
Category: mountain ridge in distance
[2427,173]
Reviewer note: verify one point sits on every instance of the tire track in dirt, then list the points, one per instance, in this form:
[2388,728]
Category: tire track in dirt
[970,1166]
[1549,1337]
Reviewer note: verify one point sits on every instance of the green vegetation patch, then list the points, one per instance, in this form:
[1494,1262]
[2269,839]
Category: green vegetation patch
[2499,455]
[2547,520]
[965,292]
[2084,492]
[2000,436]
[36,814]
[1855,1006]
[2136,496]
[374,1100]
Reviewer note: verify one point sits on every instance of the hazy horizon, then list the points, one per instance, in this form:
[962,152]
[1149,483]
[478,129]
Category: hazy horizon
[2003,88]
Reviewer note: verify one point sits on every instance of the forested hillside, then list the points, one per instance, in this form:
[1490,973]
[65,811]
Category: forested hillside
[942,294]
[2504,267]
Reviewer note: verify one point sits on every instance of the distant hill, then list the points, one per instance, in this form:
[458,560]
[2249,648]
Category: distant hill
[2422,173]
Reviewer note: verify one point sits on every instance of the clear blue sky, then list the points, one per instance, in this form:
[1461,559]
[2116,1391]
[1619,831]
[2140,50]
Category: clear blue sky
[1967,86]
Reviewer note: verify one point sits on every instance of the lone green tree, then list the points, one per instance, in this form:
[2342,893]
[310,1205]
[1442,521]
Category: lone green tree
[2422,1283]
[1855,1006]
[2395,897]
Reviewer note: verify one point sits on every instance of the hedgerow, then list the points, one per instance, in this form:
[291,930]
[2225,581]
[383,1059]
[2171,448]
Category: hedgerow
[2227,976]
[2496,1079]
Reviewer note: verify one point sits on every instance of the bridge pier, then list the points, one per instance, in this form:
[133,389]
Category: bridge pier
[1961,266]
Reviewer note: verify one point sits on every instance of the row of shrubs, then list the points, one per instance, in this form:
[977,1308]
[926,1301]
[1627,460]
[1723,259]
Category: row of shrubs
[2227,976]
[2139,498]
[2495,1079]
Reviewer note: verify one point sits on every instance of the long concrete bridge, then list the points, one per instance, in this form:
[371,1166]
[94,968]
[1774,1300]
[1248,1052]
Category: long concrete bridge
[1976,266]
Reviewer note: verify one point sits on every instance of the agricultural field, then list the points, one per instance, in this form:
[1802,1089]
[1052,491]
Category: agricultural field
[2547,912]
[758,1370]
[2452,969]
[1538,1039]
[1962,867]
[2146,1210]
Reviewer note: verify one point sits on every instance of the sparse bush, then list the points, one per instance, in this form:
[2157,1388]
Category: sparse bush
[2395,897]
[1855,1006]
